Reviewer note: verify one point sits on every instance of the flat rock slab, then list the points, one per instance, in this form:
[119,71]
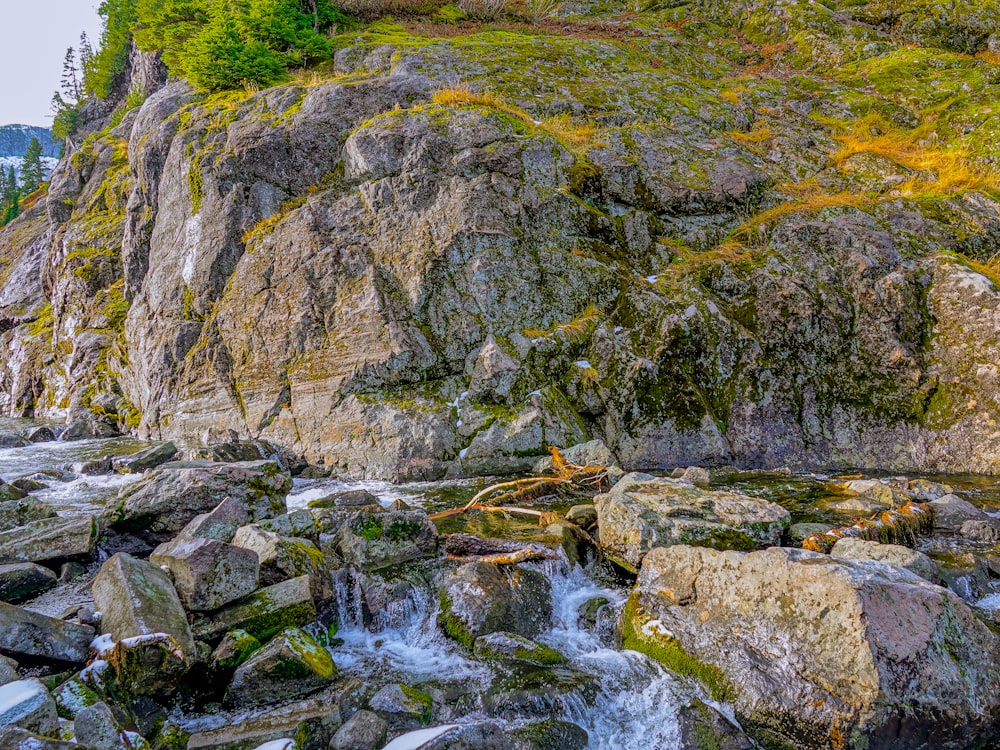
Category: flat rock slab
[641,512]
[14,513]
[208,573]
[50,540]
[136,598]
[20,581]
[147,458]
[30,634]
[158,506]
[263,613]
[28,705]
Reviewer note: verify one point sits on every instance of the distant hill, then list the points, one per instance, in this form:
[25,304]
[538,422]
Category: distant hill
[14,140]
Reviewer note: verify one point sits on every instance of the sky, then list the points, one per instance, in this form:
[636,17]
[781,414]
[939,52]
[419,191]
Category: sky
[35,36]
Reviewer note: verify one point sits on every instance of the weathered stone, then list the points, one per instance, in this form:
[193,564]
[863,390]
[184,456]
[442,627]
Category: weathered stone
[702,727]
[87,429]
[137,599]
[951,511]
[158,506]
[797,532]
[8,670]
[890,554]
[984,532]
[152,664]
[14,738]
[402,706]
[345,499]
[868,653]
[584,516]
[290,666]
[642,512]
[41,435]
[220,523]
[696,475]
[8,494]
[96,726]
[573,541]
[551,734]
[26,484]
[501,646]
[14,513]
[924,491]
[478,736]
[363,731]
[234,649]
[147,458]
[281,558]
[94,467]
[20,581]
[28,705]
[481,598]
[373,540]
[207,573]
[859,506]
[298,523]
[50,541]
[30,634]
[12,440]
[263,613]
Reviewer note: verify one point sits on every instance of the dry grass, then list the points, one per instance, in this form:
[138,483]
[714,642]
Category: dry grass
[993,58]
[899,526]
[459,96]
[485,10]
[572,330]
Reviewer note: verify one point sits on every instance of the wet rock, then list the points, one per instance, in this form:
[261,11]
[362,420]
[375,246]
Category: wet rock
[31,634]
[551,734]
[13,738]
[96,726]
[642,512]
[87,429]
[345,499]
[28,705]
[150,665]
[797,532]
[924,490]
[574,542]
[584,516]
[8,670]
[539,692]
[8,493]
[481,598]
[589,611]
[42,435]
[147,458]
[877,493]
[50,541]
[20,512]
[281,558]
[262,613]
[859,506]
[158,506]
[234,649]
[20,581]
[372,540]
[696,475]
[11,440]
[869,652]
[402,706]
[290,666]
[479,736]
[983,532]
[26,484]
[363,731]
[890,554]
[298,523]
[702,727]
[207,573]
[137,599]
[951,511]
[94,467]
[502,646]
[221,523]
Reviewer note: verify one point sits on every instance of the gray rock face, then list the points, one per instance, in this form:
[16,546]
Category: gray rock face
[221,523]
[147,458]
[8,670]
[378,539]
[28,705]
[951,512]
[280,557]
[19,581]
[551,733]
[16,512]
[402,706]
[263,613]
[50,541]
[890,554]
[290,666]
[363,731]
[96,726]
[208,573]
[855,650]
[137,599]
[32,634]
[481,598]
[159,506]
[641,512]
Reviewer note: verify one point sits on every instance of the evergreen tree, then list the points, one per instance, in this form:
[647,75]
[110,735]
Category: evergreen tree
[69,86]
[11,198]
[86,51]
[32,170]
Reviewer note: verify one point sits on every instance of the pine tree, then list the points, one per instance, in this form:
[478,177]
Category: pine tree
[86,51]
[32,171]
[11,198]
[69,86]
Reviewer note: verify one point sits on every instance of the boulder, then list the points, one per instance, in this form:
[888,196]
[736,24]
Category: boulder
[31,634]
[96,726]
[15,738]
[642,512]
[696,475]
[983,532]
[8,493]
[94,467]
[281,558]
[375,539]
[890,554]
[207,573]
[511,647]
[481,598]
[402,706]
[363,731]
[234,649]
[290,666]
[152,664]
[29,484]
[50,541]
[88,428]
[12,440]
[951,511]
[924,490]
[220,523]
[262,613]
[147,458]
[859,506]
[818,652]
[42,435]
[298,523]
[479,736]
[584,516]
[797,532]
[28,705]
[550,734]
[20,581]
[158,506]
[701,727]
[345,499]
[877,492]
[19,512]
[136,598]
[8,670]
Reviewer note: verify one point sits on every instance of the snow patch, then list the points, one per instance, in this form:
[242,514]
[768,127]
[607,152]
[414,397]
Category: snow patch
[416,740]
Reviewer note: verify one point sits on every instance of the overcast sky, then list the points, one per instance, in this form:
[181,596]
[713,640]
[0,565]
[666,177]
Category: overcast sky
[35,36]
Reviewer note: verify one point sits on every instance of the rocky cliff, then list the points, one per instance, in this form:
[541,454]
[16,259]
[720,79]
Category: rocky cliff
[743,233]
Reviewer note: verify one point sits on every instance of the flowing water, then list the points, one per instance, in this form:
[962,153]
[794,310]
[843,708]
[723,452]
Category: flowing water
[624,700]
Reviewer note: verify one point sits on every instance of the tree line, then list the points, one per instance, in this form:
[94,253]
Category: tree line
[13,190]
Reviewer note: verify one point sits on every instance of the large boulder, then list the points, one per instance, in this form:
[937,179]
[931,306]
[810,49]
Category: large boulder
[20,511]
[280,557]
[50,541]
[28,705]
[290,666]
[27,633]
[820,653]
[19,581]
[208,573]
[220,523]
[373,539]
[136,599]
[481,598]
[641,512]
[161,504]
[262,613]
[363,731]
[918,563]
[147,458]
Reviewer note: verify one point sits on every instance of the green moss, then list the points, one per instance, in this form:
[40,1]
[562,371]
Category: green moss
[43,324]
[239,645]
[267,623]
[451,13]
[369,528]
[452,624]
[195,185]
[419,703]
[668,651]
[401,528]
